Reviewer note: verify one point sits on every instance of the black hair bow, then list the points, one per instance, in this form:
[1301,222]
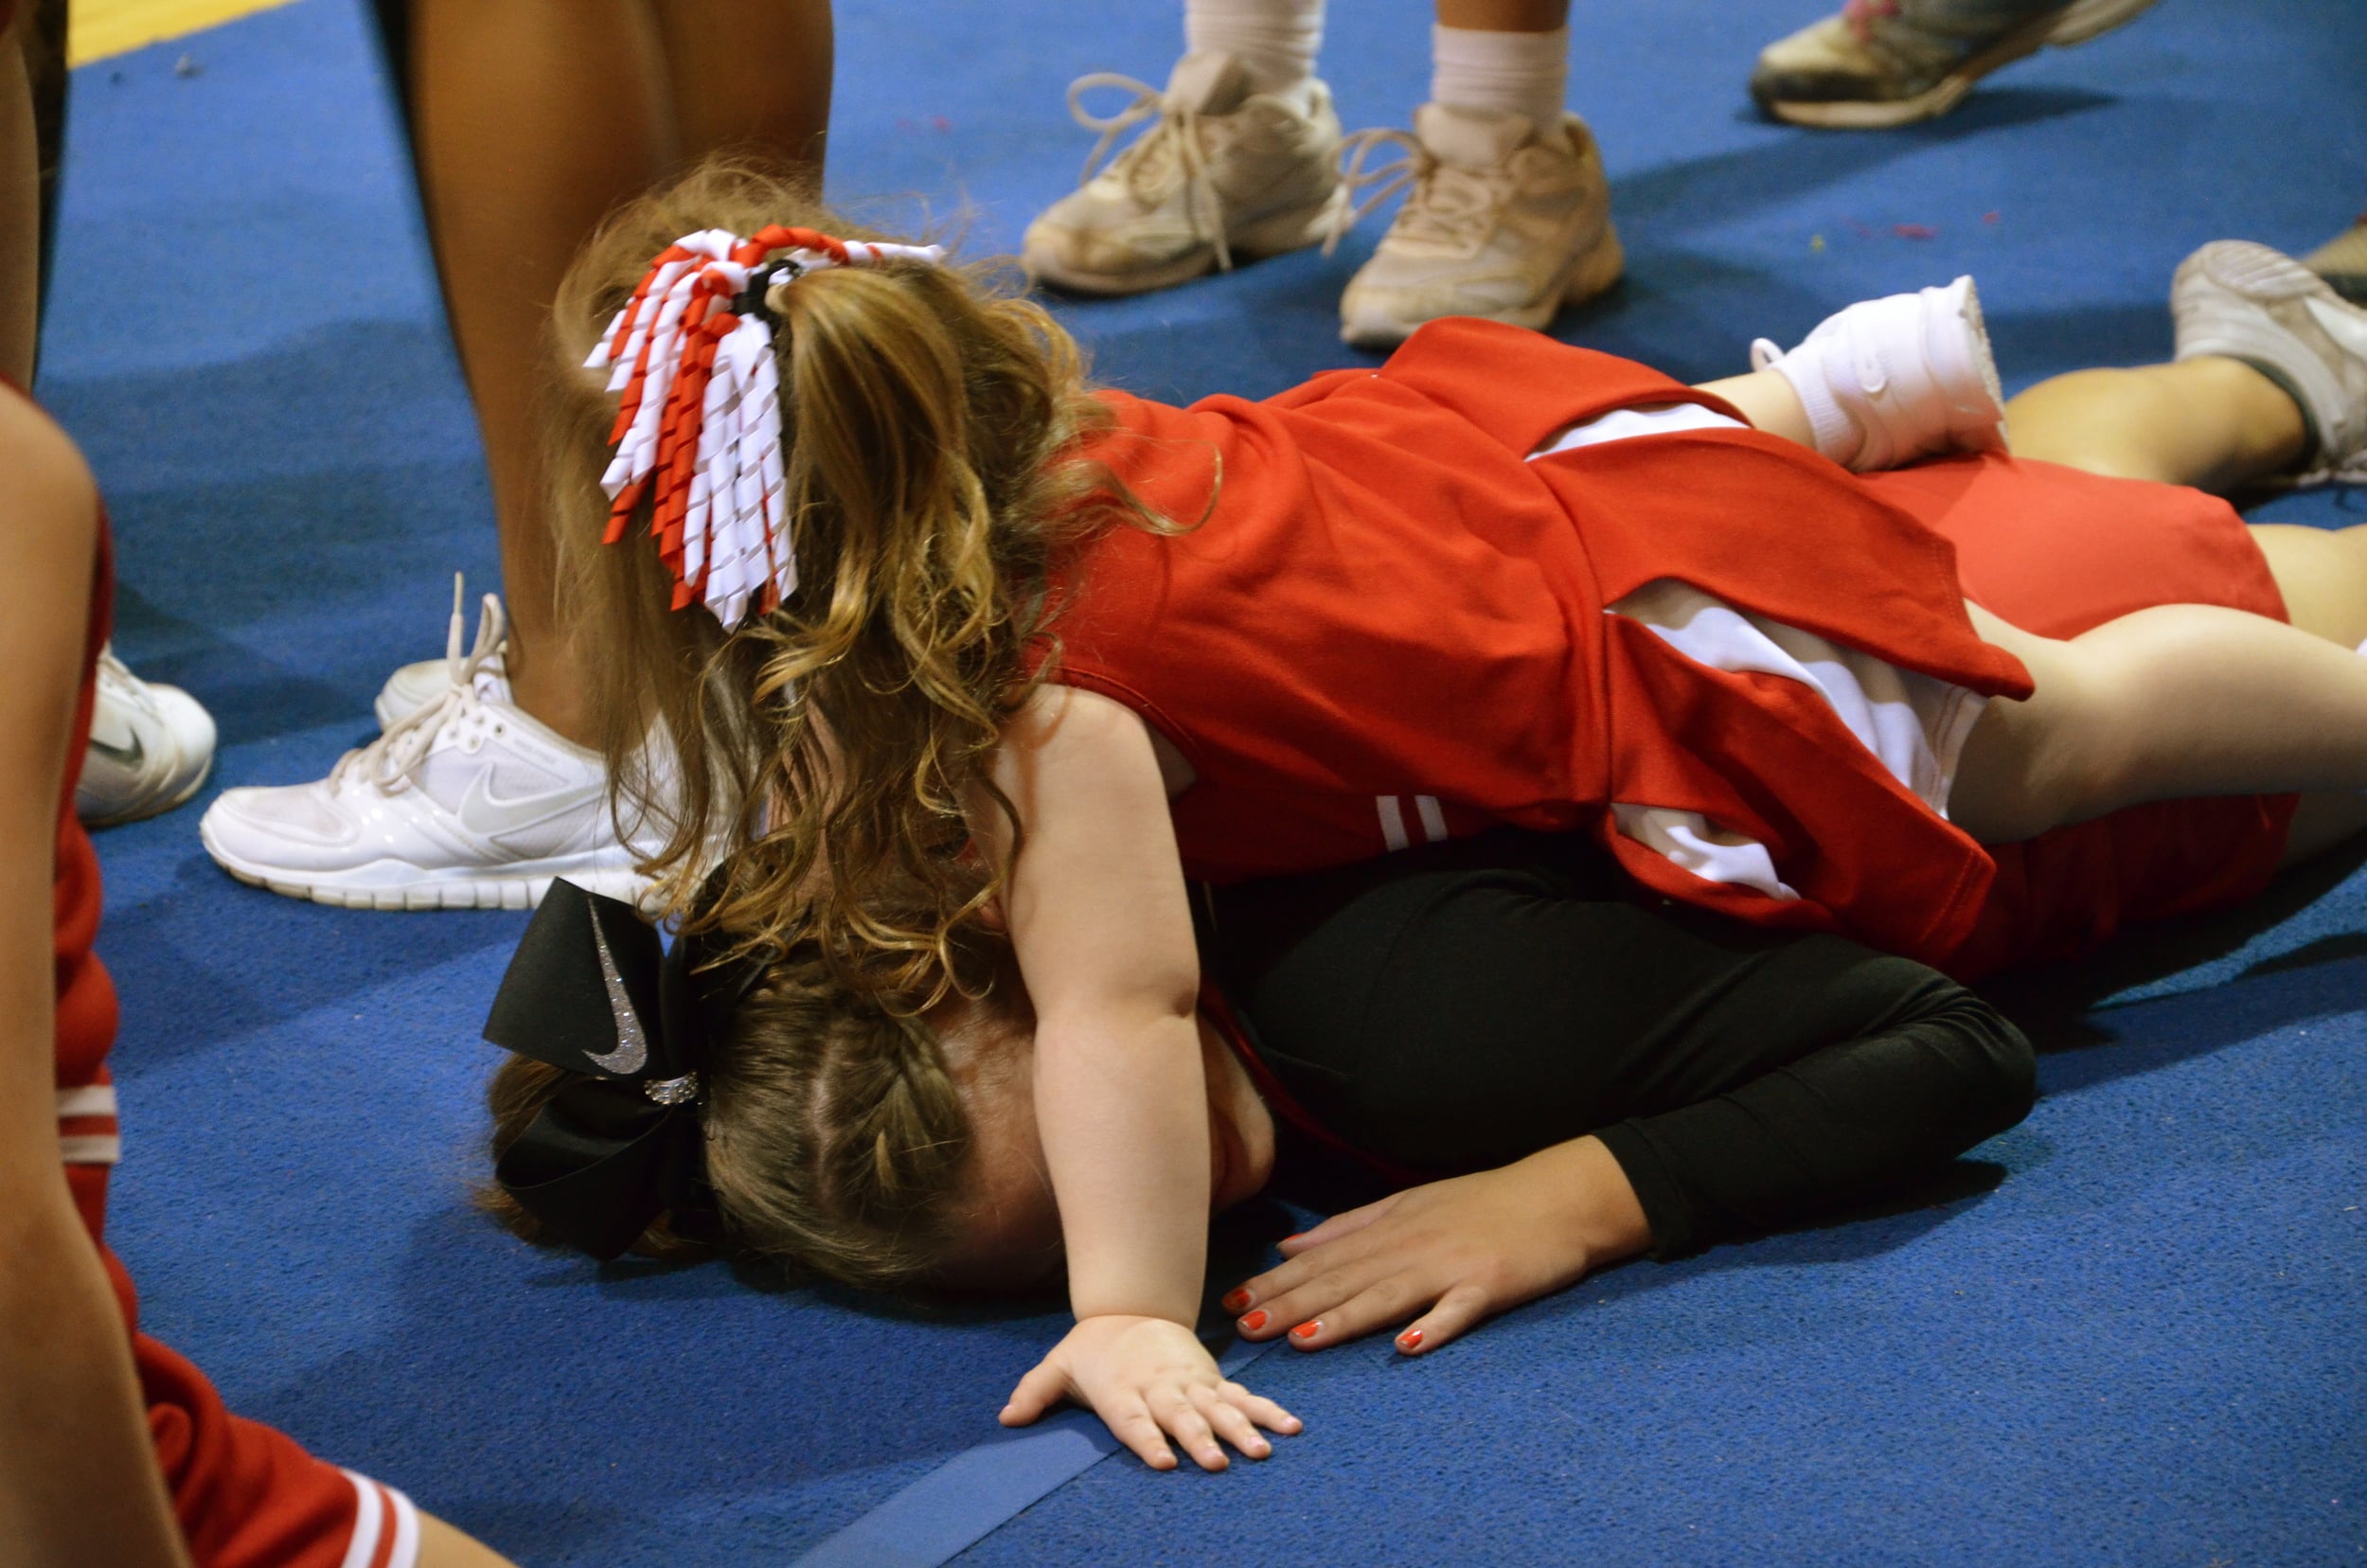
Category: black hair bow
[591,991]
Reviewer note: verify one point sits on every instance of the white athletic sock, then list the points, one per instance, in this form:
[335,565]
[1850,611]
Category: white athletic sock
[1275,39]
[1525,73]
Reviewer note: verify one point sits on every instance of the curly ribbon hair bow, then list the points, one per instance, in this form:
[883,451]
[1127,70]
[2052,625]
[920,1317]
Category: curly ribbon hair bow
[590,991]
[699,429]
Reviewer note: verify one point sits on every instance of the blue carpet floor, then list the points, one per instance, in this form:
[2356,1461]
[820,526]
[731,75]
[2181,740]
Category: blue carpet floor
[2136,1332]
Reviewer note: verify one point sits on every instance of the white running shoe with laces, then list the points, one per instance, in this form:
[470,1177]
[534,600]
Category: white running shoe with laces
[2248,302]
[151,748]
[1501,220]
[1888,381]
[465,803]
[1222,173]
[415,686]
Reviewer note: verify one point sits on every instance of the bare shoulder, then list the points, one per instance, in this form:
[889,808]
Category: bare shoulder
[1063,721]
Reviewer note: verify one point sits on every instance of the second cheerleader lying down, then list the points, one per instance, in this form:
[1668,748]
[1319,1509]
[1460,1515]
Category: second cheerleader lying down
[1027,659]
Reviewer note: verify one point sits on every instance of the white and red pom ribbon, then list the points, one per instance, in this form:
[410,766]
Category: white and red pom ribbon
[699,427]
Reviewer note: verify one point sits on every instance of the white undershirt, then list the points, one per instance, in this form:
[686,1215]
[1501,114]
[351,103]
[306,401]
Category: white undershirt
[1914,724]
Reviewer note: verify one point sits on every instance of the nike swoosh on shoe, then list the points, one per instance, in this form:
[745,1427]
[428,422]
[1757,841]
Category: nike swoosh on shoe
[2345,324]
[123,756]
[491,817]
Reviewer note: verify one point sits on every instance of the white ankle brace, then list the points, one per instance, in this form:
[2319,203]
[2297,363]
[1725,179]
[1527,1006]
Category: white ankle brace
[1888,381]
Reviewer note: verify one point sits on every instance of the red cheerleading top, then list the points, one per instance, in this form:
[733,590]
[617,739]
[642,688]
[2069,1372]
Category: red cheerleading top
[1390,627]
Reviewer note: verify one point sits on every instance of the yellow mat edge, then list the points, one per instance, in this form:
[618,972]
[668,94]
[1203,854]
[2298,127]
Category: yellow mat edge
[100,29]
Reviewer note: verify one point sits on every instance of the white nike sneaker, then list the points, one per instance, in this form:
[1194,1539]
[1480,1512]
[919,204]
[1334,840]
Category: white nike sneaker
[412,686]
[1888,381]
[1503,220]
[466,803]
[2248,302]
[150,747]
[1222,173]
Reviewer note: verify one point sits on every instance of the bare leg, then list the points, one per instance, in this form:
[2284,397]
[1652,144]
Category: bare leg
[532,119]
[442,1546]
[751,76]
[1766,400]
[1504,15]
[2213,423]
[2323,574]
[20,212]
[2177,700]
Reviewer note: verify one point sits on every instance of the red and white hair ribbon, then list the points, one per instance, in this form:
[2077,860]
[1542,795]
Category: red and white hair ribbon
[699,428]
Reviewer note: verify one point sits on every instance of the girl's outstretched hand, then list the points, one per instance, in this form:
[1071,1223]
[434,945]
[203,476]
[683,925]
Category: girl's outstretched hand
[1455,1252]
[1150,1379]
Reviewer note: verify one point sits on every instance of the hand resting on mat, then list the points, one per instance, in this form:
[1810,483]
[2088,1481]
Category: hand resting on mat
[1149,1380]
[1455,1252]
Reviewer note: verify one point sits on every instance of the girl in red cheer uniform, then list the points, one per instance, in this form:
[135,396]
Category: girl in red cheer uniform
[113,1448]
[998,663]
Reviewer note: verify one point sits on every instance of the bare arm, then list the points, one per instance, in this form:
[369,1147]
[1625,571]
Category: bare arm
[1100,921]
[78,1482]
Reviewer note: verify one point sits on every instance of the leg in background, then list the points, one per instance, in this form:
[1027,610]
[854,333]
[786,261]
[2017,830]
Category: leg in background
[20,212]
[43,25]
[2210,423]
[530,119]
[1505,15]
[751,77]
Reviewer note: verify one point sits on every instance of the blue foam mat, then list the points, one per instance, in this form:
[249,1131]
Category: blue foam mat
[2142,1345]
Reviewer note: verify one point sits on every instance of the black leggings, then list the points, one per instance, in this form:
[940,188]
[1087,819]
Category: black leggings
[1461,1006]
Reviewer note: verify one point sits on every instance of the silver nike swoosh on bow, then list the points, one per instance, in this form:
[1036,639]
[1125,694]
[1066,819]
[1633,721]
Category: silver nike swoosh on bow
[632,1047]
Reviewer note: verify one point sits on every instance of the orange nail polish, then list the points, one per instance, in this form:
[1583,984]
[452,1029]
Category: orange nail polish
[1234,1300]
[1255,1320]
[1410,1340]
[1307,1330]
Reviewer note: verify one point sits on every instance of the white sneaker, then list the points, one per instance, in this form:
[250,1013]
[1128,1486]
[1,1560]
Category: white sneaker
[1502,221]
[466,803]
[412,686]
[1222,174]
[2248,302]
[1888,381]
[150,747]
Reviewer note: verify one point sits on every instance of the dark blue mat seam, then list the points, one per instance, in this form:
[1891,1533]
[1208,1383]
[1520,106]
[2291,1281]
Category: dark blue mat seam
[979,1490]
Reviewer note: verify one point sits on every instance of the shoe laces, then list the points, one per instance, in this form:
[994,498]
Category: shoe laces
[1447,204]
[387,764]
[1169,150]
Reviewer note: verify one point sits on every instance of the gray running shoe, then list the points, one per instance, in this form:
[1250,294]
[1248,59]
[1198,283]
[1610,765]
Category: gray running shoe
[2246,302]
[1883,62]
[2342,261]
